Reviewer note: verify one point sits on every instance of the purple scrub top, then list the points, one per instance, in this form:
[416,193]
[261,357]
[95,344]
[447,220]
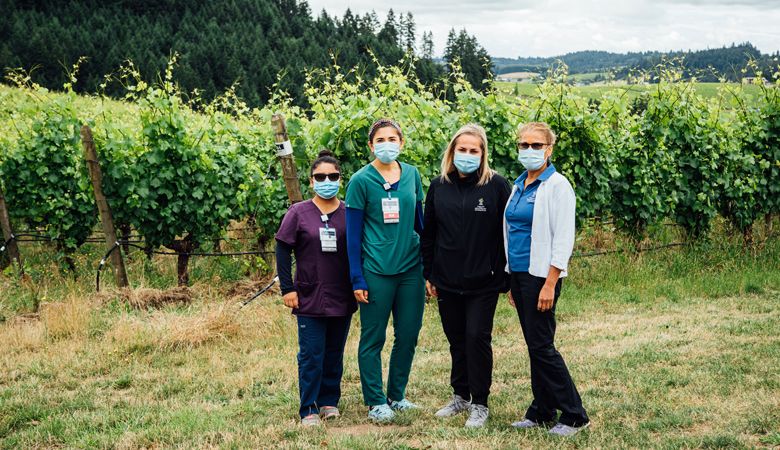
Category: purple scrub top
[321,279]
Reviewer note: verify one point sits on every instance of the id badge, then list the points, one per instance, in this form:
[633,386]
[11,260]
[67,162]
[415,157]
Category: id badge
[391,210]
[328,240]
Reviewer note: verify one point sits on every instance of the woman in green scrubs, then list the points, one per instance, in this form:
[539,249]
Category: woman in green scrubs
[384,222]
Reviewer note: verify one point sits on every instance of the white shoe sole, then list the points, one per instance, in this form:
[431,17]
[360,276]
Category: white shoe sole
[573,434]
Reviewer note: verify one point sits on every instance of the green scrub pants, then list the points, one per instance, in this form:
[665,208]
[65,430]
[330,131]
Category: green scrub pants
[403,295]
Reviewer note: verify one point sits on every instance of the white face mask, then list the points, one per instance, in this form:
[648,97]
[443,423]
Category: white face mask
[387,152]
[531,159]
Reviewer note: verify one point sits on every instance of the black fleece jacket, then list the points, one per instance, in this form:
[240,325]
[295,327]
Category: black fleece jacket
[462,240]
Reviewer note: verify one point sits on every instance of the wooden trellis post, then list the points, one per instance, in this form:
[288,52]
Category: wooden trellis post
[5,224]
[106,219]
[285,153]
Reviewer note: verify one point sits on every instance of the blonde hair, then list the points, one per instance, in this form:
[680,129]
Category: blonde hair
[537,126]
[447,164]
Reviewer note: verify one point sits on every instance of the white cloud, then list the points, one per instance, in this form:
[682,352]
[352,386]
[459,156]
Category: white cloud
[553,27]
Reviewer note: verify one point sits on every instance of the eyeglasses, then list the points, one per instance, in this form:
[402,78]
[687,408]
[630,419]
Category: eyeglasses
[331,176]
[533,145]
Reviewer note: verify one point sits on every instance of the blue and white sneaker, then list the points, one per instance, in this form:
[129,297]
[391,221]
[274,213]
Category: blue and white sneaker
[403,405]
[381,413]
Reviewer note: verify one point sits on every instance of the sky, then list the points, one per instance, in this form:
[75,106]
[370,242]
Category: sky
[512,28]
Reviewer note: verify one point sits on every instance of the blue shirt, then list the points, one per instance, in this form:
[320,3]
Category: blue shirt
[520,218]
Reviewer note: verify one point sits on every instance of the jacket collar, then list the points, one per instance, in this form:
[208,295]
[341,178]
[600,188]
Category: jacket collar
[543,177]
[471,178]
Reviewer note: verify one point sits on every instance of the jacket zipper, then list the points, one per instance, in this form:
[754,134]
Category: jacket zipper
[462,215]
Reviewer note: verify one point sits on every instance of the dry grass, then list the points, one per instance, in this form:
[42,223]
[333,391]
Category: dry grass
[146,298]
[20,336]
[219,323]
[70,317]
[173,331]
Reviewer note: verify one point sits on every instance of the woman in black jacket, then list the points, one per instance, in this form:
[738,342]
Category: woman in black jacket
[463,263]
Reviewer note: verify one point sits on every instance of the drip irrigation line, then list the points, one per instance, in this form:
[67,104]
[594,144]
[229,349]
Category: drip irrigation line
[103,241]
[119,244]
[103,263]
[623,250]
[157,252]
[8,242]
[259,293]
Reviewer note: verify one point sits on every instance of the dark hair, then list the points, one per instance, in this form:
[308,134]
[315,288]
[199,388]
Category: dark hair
[325,156]
[384,123]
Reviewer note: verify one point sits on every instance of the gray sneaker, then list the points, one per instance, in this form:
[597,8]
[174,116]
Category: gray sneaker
[312,420]
[567,431]
[329,412]
[478,416]
[456,406]
[525,424]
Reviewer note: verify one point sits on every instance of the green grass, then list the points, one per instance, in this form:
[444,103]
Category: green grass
[669,349]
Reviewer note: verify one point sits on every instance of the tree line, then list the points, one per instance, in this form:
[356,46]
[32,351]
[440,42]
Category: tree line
[264,45]
[706,65]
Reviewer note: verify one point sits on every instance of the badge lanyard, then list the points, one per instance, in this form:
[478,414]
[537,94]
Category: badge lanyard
[391,207]
[327,236]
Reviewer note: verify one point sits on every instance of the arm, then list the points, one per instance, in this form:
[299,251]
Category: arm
[504,191]
[356,206]
[284,267]
[284,271]
[428,236]
[428,241]
[355,248]
[419,196]
[285,243]
[562,217]
[562,224]
[418,218]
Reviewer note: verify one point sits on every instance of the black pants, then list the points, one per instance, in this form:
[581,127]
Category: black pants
[468,323]
[551,383]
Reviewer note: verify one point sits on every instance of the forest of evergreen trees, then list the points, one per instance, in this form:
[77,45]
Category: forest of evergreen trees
[218,42]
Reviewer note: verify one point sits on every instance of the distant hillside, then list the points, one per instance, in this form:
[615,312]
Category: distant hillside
[725,60]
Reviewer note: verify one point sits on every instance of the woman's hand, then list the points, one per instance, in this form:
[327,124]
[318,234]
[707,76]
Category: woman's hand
[546,298]
[361,296]
[431,289]
[290,299]
[511,299]
[547,294]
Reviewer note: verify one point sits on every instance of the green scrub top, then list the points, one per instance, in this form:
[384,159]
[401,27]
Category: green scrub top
[388,248]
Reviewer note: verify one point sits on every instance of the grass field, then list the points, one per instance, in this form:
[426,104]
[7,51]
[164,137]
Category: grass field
[669,349]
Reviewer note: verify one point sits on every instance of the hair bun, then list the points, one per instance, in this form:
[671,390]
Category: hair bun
[325,152]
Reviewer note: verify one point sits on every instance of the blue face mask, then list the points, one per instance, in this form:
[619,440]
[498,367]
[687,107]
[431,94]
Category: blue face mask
[387,152]
[326,189]
[531,159]
[466,163]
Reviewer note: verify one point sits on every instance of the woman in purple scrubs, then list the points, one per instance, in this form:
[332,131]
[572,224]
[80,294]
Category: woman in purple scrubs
[321,296]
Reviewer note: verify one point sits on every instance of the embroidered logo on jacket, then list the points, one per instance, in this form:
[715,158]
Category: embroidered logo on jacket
[481,207]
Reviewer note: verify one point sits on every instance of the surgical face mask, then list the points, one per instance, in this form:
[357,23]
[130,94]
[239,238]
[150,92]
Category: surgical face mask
[465,163]
[387,152]
[531,159]
[326,189]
